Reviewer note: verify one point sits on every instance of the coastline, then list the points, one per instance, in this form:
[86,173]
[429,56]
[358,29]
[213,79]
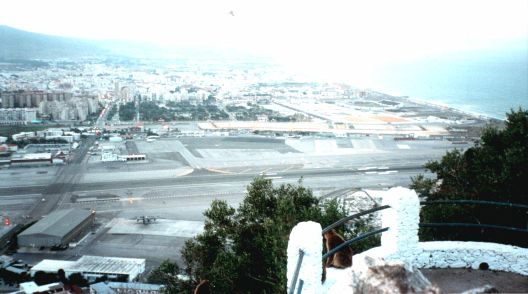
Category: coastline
[442,106]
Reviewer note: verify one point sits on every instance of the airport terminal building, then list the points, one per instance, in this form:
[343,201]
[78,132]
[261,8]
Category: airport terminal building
[56,229]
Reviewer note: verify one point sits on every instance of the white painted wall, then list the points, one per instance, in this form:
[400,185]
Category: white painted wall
[399,243]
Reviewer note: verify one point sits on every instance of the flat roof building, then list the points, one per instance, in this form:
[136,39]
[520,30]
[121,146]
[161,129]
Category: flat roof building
[31,159]
[56,229]
[32,287]
[93,267]
[125,288]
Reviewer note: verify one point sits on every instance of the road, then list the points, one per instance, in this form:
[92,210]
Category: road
[67,177]
[101,120]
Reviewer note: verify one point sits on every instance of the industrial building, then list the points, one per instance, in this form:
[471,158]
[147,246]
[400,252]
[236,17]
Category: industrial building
[56,229]
[31,159]
[93,267]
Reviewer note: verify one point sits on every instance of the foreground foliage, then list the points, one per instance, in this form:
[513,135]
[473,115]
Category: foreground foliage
[244,250]
[496,169]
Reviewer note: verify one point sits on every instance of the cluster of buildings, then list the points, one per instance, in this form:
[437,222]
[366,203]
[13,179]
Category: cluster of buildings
[21,99]
[76,108]
[56,151]
[66,227]
[93,267]
[48,134]
[74,90]
[90,267]
[22,107]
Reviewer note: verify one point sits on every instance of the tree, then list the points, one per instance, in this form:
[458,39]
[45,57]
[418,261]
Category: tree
[77,279]
[244,250]
[167,275]
[495,169]
[43,278]
[102,278]
[127,111]
[61,274]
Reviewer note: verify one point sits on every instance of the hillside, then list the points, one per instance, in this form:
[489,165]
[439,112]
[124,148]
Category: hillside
[19,44]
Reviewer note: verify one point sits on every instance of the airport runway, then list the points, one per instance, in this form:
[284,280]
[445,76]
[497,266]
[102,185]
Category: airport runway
[65,182]
[207,168]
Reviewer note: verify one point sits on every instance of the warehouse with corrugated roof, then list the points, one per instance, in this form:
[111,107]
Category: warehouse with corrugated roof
[93,267]
[56,229]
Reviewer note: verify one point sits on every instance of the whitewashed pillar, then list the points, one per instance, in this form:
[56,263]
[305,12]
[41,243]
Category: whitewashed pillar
[402,219]
[306,236]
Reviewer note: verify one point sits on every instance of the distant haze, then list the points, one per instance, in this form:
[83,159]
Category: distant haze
[472,54]
[325,32]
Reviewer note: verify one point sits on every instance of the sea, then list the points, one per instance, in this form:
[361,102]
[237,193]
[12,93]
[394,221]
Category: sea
[489,84]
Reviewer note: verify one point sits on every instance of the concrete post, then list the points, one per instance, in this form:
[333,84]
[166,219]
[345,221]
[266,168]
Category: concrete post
[402,219]
[306,236]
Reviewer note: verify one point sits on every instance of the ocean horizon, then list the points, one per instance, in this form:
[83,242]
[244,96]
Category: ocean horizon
[482,84]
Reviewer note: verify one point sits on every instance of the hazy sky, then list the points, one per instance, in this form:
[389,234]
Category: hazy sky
[358,33]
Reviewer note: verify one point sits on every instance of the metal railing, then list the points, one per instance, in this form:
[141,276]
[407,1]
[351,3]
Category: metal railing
[299,289]
[358,238]
[477,202]
[353,216]
[354,240]
[296,274]
[473,225]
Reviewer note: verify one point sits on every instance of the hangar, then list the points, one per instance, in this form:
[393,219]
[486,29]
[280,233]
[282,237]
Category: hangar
[56,229]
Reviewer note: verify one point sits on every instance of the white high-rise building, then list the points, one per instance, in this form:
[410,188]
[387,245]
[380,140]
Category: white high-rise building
[17,116]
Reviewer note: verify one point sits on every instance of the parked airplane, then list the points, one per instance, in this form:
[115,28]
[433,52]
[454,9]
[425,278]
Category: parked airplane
[145,219]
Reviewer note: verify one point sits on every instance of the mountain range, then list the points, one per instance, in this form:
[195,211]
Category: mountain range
[16,44]
[19,44]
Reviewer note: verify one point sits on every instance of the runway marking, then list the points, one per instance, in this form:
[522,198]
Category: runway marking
[288,168]
[265,170]
[388,172]
[132,199]
[158,187]
[21,195]
[367,168]
[245,171]
[21,186]
[220,171]
[185,172]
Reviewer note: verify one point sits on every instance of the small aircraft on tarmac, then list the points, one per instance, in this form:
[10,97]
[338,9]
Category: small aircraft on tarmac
[145,219]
